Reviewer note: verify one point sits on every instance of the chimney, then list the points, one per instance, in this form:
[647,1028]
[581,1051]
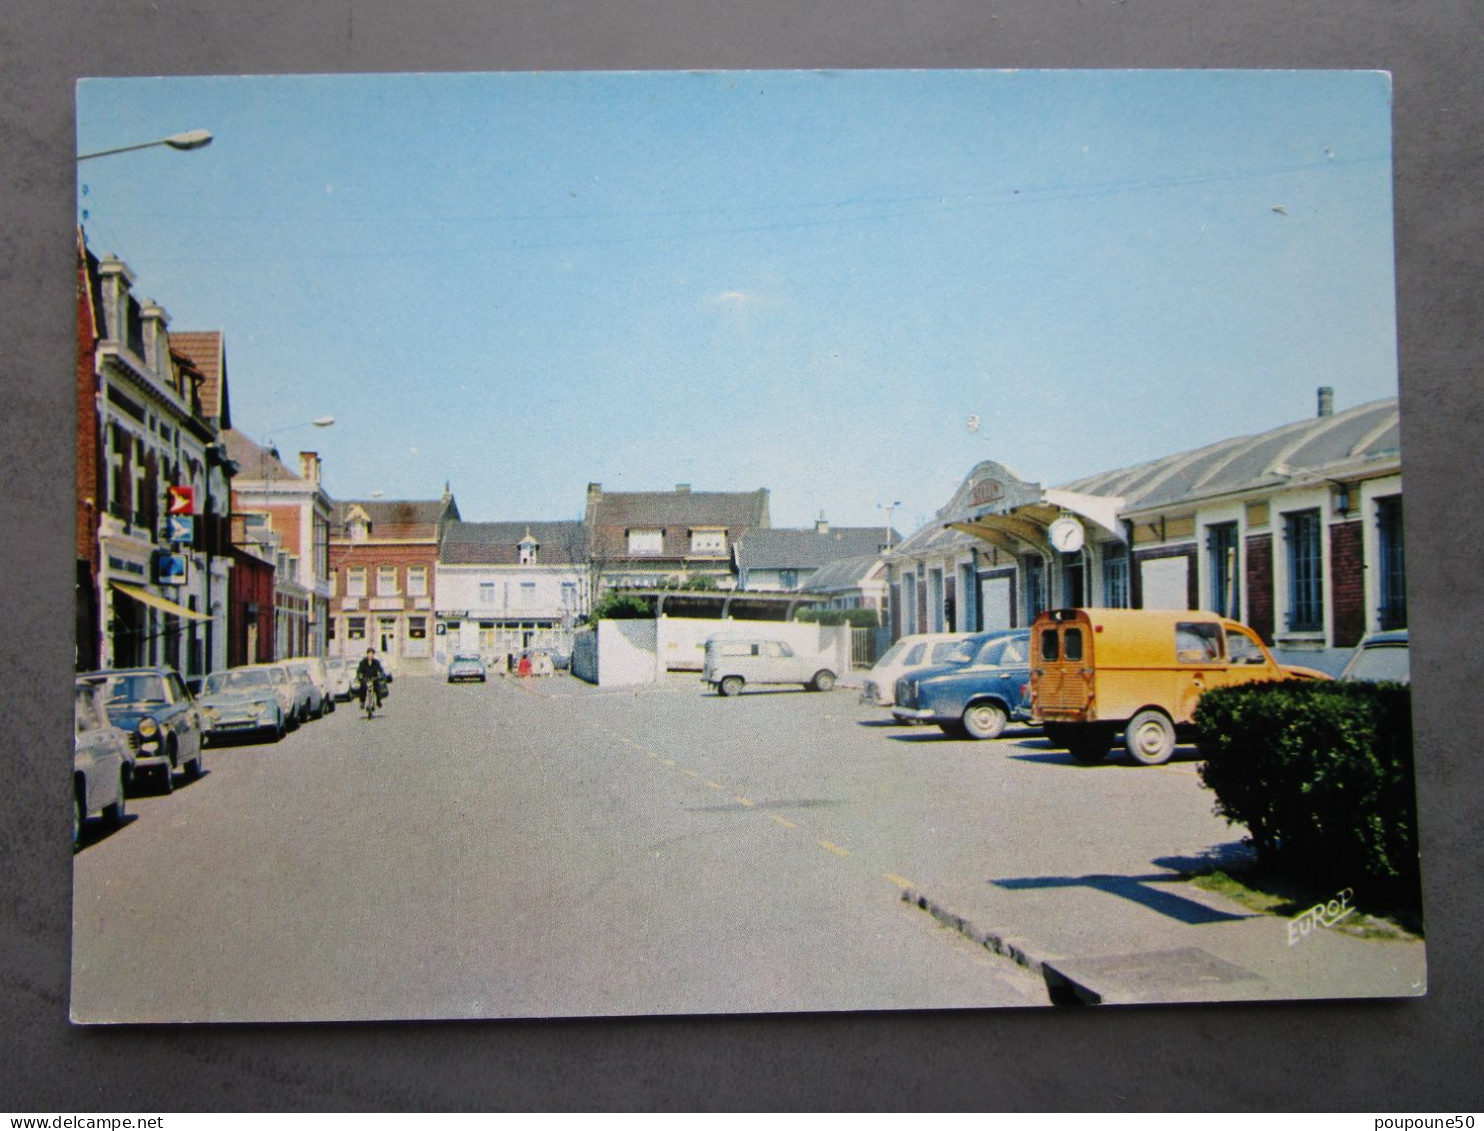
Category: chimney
[309,466]
[682,488]
[821,524]
[1326,400]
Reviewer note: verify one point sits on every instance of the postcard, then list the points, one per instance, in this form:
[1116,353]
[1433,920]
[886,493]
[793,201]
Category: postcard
[612,544]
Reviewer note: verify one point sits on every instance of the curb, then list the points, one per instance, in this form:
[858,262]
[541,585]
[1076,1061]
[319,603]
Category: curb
[1060,988]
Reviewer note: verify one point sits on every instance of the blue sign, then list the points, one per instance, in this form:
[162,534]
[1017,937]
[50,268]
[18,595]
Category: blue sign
[181,529]
[170,569]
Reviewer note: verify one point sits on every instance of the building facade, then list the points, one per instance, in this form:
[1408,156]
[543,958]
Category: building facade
[1297,532]
[287,514]
[153,506]
[784,560]
[383,560]
[503,587]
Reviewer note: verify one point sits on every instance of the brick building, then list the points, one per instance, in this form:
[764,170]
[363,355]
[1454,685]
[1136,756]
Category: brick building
[383,564]
[1296,531]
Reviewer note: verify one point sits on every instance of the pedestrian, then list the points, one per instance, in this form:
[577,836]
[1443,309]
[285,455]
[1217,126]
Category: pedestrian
[524,668]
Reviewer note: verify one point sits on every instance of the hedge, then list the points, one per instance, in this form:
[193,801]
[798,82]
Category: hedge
[1321,774]
[856,618]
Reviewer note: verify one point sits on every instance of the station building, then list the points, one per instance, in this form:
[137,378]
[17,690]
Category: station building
[1296,532]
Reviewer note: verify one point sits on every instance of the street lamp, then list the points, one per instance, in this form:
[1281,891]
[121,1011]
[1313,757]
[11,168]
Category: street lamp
[191,139]
[317,422]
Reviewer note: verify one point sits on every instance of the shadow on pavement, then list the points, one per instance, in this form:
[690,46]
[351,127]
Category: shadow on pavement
[1136,889]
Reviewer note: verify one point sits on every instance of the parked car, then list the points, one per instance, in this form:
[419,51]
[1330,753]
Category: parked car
[466,668]
[341,674]
[1385,657]
[1100,674]
[732,663]
[924,650]
[975,694]
[102,763]
[160,716]
[312,668]
[242,701]
[308,703]
[284,688]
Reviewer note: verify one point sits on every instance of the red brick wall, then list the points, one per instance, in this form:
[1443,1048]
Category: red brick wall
[252,583]
[1347,583]
[1259,581]
[343,555]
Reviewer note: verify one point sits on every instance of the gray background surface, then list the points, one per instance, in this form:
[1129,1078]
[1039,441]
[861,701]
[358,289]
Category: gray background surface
[1419,1056]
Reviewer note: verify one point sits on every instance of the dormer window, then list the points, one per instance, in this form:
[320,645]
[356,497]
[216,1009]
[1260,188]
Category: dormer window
[646,541]
[708,541]
[358,525]
[528,548]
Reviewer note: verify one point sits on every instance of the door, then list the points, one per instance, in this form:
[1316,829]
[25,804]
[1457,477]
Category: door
[1063,664]
[994,601]
[386,636]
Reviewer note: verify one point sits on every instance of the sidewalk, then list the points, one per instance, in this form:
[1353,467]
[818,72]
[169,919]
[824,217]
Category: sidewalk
[1146,936]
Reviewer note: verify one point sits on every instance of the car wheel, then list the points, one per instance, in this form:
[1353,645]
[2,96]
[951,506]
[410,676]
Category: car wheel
[731,685]
[985,720]
[1089,748]
[194,768]
[119,810]
[76,818]
[823,681]
[1150,738]
[167,779]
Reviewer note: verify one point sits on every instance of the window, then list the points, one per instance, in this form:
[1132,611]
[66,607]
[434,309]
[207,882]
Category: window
[569,594]
[1071,577]
[417,628]
[1222,567]
[1197,643]
[788,578]
[1393,611]
[1115,576]
[1242,649]
[528,548]
[356,629]
[646,541]
[355,581]
[417,581]
[527,595]
[1049,645]
[1074,644]
[386,580]
[1035,587]
[487,594]
[1305,571]
[708,541]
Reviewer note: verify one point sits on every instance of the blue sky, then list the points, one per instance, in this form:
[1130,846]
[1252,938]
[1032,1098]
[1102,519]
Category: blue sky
[806,281]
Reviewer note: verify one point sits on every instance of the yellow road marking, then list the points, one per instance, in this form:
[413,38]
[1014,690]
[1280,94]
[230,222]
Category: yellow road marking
[714,784]
[900,881]
[669,761]
[835,848]
[743,801]
[692,773]
[785,822]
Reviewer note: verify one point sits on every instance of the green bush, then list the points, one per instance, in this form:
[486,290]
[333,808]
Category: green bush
[622,606]
[856,618]
[1321,775]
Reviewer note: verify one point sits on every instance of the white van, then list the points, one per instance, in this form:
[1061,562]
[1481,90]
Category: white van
[732,663]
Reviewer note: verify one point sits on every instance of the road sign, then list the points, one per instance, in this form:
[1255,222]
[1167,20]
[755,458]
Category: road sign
[170,569]
[180,529]
[182,500]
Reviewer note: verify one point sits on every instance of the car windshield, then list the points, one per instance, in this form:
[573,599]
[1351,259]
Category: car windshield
[889,657]
[1380,663]
[466,659]
[234,681]
[943,653]
[143,688]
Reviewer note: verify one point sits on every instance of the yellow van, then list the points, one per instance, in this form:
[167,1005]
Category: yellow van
[1100,674]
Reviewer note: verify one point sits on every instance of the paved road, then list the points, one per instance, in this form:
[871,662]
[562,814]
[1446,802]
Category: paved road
[554,850]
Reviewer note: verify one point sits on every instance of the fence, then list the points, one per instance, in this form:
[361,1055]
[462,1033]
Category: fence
[866,645]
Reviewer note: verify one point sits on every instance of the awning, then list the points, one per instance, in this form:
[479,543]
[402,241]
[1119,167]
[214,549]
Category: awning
[145,597]
[1028,523]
